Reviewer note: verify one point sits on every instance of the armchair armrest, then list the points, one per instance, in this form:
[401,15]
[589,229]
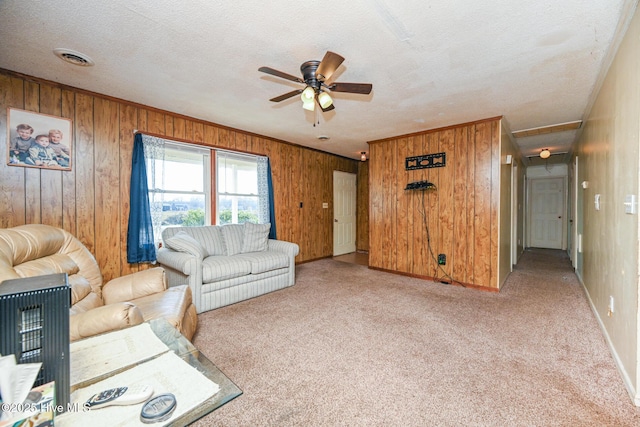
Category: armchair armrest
[104,319]
[136,285]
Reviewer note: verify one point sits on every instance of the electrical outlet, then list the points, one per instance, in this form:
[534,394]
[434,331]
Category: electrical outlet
[442,259]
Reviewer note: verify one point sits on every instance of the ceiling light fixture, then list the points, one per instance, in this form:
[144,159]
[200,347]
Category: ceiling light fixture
[545,153]
[363,156]
[324,100]
[309,105]
[308,97]
[308,94]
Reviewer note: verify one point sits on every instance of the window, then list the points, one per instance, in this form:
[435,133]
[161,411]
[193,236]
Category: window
[242,195]
[179,189]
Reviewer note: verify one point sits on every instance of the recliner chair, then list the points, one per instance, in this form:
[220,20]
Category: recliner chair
[96,307]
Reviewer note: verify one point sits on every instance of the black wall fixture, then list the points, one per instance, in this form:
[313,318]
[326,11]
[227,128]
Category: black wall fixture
[420,185]
[425,161]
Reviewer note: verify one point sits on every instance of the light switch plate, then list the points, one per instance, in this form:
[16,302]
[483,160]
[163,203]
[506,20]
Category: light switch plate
[630,204]
[596,201]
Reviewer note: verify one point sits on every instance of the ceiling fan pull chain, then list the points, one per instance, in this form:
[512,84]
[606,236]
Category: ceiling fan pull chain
[316,119]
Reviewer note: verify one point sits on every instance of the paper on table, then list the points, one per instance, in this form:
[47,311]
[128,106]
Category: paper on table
[16,380]
[97,356]
[167,373]
[15,383]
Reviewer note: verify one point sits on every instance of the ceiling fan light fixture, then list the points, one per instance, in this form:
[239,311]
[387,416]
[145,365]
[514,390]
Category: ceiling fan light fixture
[545,153]
[315,74]
[307,94]
[324,100]
[309,105]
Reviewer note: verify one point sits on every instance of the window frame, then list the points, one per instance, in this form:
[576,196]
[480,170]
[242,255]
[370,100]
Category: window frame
[153,190]
[239,156]
[156,148]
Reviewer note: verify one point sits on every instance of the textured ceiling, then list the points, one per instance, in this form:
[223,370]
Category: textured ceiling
[432,63]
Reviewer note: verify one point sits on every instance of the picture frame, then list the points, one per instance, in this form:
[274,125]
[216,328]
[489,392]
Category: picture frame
[36,140]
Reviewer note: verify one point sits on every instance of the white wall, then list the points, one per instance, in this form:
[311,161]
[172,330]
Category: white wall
[608,152]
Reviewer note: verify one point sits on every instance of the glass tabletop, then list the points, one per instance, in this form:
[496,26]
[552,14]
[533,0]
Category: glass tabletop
[190,354]
[136,347]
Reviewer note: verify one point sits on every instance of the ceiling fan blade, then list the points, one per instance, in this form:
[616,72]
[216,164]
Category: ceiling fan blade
[286,95]
[363,88]
[280,74]
[328,65]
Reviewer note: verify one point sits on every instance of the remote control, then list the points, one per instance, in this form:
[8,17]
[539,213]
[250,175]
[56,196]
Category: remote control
[120,396]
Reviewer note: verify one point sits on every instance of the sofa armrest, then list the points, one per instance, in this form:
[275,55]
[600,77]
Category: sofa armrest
[104,319]
[180,261]
[136,285]
[289,248]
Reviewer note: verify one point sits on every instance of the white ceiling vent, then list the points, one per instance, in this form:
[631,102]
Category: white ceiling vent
[73,57]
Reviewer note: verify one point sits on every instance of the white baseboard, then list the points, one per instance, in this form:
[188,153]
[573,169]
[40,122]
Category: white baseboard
[635,397]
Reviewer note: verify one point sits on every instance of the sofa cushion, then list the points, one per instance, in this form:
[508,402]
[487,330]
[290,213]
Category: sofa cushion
[264,261]
[182,242]
[216,268]
[233,236]
[256,237]
[209,237]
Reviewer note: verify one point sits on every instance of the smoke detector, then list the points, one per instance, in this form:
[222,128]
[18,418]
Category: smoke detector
[73,57]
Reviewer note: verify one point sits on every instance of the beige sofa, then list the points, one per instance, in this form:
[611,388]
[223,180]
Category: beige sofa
[96,307]
[228,263]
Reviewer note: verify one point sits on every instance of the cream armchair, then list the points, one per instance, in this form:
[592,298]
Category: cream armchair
[96,307]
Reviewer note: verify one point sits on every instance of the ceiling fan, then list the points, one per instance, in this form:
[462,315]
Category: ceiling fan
[316,78]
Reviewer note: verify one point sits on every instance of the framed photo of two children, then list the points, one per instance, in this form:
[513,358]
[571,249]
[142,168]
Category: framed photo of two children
[38,140]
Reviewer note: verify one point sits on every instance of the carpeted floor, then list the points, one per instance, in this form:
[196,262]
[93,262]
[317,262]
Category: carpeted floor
[349,346]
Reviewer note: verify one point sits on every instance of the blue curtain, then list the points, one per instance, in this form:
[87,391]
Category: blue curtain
[272,208]
[140,243]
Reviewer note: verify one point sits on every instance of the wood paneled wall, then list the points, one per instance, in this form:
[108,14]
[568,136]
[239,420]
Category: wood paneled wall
[362,207]
[459,218]
[92,200]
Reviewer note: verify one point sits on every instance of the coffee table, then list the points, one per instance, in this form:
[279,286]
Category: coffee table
[189,353]
[182,348]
